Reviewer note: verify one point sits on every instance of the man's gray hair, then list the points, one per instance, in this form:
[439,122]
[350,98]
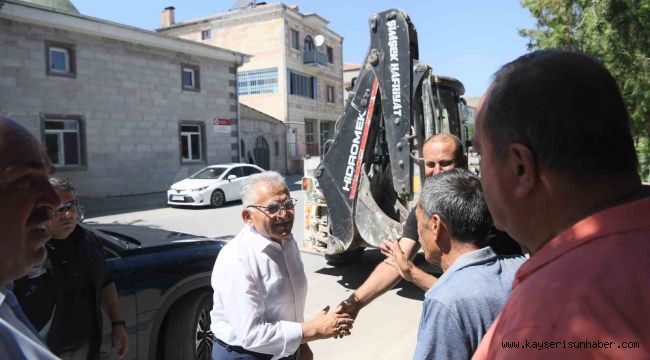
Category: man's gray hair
[248,185]
[457,197]
[61,184]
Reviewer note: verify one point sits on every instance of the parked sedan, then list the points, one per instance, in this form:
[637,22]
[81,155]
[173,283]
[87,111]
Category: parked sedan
[213,185]
[163,282]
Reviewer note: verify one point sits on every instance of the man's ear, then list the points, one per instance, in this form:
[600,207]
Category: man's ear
[247,216]
[440,233]
[523,167]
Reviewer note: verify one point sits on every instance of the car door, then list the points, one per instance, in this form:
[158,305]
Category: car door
[232,188]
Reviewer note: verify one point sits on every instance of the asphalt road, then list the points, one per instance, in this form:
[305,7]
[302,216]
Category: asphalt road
[386,329]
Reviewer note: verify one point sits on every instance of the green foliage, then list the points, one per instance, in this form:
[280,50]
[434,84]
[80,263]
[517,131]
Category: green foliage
[617,32]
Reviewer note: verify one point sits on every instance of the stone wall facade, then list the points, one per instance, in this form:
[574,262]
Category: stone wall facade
[265,32]
[129,101]
[259,130]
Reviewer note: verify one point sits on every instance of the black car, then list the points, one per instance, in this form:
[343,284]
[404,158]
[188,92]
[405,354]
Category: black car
[163,281]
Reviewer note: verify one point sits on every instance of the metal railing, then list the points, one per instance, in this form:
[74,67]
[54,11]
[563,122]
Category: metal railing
[314,57]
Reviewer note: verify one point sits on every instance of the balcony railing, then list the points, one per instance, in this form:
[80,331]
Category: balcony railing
[314,57]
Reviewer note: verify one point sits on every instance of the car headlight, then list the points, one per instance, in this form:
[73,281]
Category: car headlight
[199,189]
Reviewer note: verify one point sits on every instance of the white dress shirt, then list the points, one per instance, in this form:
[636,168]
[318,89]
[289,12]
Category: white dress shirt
[18,339]
[260,288]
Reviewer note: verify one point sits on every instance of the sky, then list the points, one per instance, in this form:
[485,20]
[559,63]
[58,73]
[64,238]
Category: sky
[465,39]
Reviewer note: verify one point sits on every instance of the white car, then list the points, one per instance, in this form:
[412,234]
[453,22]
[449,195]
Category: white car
[213,185]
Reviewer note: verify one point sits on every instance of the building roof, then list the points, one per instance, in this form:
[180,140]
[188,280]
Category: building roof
[473,101]
[350,67]
[32,13]
[310,18]
[251,113]
[59,5]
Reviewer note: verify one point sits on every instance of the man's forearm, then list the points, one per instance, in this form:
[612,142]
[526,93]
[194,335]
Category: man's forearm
[382,279]
[110,302]
[421,278]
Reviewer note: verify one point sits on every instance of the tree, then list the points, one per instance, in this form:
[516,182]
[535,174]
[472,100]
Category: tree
[615,31]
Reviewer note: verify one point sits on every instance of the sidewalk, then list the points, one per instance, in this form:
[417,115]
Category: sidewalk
[120,204]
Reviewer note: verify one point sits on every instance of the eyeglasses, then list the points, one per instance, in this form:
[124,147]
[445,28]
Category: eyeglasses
[68,207]
[275,207]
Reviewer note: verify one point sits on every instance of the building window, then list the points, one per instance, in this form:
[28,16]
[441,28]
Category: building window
[302,85]
[331,96]
[190,77]
[276,145]
[326,133]
[292,145]
[60,59]
[63,141]
[295,39]
[310,137]
[262,81]
[191,142]
[330,55]
[206,34]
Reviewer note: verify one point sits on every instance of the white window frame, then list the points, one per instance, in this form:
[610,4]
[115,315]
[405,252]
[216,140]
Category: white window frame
[188,135]
[193,77]
[66,54]
[61,141]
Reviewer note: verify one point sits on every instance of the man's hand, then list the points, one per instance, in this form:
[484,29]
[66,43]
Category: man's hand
[326,325]
[350,306]
[305,352]
[396,258]
[120,340]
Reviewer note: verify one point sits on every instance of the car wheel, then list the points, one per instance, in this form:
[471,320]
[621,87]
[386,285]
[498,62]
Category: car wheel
[217,198]
[187,335]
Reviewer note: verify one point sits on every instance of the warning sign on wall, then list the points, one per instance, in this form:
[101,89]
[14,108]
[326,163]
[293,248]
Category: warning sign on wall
[222,126]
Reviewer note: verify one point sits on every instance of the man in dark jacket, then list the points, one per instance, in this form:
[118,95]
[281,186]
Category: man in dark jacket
[63,297]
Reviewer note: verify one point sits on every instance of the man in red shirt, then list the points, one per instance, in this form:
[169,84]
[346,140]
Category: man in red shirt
[559,171]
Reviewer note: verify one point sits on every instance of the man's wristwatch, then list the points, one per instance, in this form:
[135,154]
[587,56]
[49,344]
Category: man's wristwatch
[118,323]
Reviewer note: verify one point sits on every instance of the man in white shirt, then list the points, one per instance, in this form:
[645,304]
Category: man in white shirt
[260,285]
[27,202]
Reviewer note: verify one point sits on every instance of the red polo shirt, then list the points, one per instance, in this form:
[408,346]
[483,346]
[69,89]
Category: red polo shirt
[583,295]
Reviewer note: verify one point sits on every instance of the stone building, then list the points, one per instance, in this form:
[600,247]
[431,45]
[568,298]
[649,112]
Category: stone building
[263,140]
[295,73]
[120,110]
[350,71]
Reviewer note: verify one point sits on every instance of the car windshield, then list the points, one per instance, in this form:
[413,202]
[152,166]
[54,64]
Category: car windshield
[208,173]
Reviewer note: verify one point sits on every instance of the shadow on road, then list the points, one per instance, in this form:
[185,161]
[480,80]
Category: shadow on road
[353,275]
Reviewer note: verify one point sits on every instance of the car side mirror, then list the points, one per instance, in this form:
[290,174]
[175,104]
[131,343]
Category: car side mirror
[231,177]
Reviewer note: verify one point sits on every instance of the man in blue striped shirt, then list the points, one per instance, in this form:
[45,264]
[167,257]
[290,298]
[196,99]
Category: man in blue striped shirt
[27,202]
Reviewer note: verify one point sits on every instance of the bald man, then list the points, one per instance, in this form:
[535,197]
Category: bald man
[28,202]
[441,152]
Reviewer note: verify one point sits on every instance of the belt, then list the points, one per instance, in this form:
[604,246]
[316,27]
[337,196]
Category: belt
[241,350]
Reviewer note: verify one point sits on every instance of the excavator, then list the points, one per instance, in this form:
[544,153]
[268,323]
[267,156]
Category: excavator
[361,190]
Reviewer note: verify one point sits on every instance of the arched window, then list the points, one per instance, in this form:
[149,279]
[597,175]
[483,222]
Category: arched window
[309,44]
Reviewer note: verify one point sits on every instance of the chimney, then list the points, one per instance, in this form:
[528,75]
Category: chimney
[168,17]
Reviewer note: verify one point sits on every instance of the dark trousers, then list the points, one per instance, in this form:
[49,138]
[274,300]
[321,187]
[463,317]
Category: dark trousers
[223,351]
